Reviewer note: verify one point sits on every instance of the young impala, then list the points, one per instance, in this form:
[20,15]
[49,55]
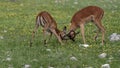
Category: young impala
[49,25]
[87,14]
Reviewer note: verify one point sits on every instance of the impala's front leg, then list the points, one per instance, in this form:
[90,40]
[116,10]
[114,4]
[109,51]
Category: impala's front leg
[82,32]
[58,37]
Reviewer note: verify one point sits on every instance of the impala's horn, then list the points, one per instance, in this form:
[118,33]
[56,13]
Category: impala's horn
[65,29]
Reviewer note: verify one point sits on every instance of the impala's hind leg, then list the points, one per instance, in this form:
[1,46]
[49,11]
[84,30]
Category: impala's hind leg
[102,29]
[50,35]
[45,32]
[44,35]
[33,34]
[96,35]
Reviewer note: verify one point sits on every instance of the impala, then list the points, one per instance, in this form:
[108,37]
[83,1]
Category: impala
[81,17]
[46,21]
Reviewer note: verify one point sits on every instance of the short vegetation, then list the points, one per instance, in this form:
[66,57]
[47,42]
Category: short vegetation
[17,21]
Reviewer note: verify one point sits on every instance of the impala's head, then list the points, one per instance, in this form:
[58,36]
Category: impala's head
[63,33]
[72,34]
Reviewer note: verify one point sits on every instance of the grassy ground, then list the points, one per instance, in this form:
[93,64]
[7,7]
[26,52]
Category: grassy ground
[17,21]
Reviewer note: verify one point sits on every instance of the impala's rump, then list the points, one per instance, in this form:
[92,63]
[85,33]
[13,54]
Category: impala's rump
[45,19]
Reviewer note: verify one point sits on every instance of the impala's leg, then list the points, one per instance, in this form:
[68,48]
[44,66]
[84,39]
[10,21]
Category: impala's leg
[103,34]
[82,32]
[33,34]
[58,37]
[50,35]
[44,35]
[95,37]
[99,25]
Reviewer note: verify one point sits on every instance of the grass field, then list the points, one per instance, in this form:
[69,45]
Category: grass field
[17,21]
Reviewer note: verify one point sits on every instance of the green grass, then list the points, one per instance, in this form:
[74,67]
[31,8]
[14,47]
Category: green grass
[17,20]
